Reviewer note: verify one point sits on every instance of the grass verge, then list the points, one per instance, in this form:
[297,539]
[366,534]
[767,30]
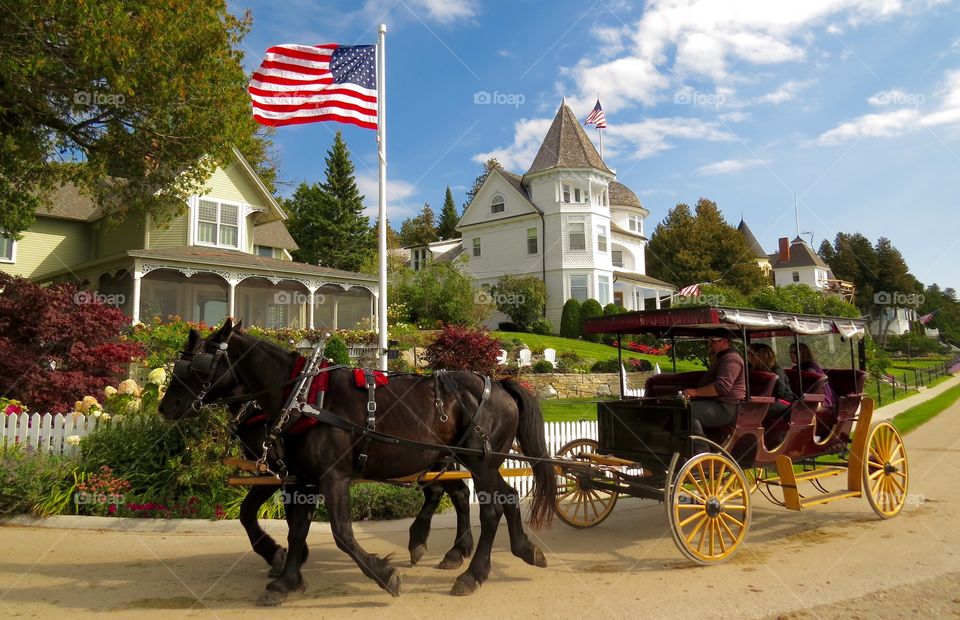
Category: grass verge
[915,416]
[569,409]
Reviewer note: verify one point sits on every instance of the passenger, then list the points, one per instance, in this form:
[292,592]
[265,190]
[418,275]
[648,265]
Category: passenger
[764,359]
[808,363]
[720,390]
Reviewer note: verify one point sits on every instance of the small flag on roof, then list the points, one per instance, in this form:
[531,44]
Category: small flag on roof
[596,117]
[926,318]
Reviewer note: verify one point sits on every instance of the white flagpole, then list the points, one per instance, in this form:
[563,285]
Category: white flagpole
[382,156]
[600,129]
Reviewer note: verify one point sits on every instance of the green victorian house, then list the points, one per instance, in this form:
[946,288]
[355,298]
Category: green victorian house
[227,255]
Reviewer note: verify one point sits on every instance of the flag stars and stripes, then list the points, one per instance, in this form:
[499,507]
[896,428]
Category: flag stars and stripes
[596,117]
[312,83]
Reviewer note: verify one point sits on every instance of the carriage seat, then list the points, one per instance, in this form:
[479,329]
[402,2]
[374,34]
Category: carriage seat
[762,383]
[814,384]
[846,381]
[669,383]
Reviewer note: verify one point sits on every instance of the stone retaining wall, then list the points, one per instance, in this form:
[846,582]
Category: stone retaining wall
[586,385]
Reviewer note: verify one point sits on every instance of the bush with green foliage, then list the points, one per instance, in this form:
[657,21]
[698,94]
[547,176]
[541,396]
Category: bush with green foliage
[542,366]
[606,366]
[542,326]
[441,292]
[571,362]
[336,350]
[612,308]
[523,299]
[570,319]
[29,480]
[590,309]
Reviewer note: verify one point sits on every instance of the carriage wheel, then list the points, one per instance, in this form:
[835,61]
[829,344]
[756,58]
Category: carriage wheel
[576,506]
[754,475]
[885,471]
[709,508]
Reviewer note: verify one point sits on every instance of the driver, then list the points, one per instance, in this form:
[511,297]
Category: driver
[720,390]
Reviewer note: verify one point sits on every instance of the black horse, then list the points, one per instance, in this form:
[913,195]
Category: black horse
[251,437]
[443,411]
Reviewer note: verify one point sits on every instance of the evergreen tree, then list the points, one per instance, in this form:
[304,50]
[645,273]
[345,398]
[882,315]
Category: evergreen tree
[590,309]
[570,319]
[419,230]
[327,220]
[690,248]
[489,165]
[447,228]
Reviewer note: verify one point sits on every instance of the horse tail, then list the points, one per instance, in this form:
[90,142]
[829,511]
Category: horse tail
[533,442]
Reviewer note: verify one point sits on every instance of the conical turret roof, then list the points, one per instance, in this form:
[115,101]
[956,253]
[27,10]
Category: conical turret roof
[566,145]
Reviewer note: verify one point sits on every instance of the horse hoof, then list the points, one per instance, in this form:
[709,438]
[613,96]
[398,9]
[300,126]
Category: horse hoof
[451,561]
[416,554]
[393,583]
[538,558]
[271,598]
[465,585]
[276,565]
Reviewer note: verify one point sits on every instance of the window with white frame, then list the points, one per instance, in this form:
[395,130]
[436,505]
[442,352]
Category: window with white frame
[532,241]
[577,196]
[218,224]
[497,205]
[635,224]
[8,249]
[263,250]
[579,287]
[566,193]
[578,238]
[419,258]
[603,290]
[617,257]
[476,246]
[602,238]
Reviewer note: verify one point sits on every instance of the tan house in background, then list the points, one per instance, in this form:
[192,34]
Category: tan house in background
[228,255]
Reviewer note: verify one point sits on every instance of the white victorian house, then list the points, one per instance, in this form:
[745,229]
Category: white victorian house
[566,221]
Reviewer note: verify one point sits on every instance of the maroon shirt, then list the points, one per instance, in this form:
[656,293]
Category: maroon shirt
[727,377]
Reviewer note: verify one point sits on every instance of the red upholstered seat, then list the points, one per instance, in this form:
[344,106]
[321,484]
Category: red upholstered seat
[668,384]
[762,383]
[846,381]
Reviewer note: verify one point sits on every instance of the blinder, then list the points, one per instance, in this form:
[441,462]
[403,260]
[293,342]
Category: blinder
[203,366]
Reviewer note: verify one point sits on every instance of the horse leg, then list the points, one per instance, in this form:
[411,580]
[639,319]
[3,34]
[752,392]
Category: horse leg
[263,544]
[485,482]
[336,493]
[520,544]
[459,494]
[420,528]
[299,515]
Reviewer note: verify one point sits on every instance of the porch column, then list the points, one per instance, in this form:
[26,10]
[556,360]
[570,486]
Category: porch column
[638,295]
[232,283]
[311,305]
[135,305]
[656,295]
[336,303]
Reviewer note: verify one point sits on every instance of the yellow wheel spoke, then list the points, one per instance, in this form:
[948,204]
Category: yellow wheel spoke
[726,528]
[876,474]
[876,487]
[726,485]
[727,498]
[896,483]
[723,545]
[691,518]
[697,528]
[734,507]
[740,524]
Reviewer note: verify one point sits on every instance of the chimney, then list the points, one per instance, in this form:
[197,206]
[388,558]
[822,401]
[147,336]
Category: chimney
[784,250]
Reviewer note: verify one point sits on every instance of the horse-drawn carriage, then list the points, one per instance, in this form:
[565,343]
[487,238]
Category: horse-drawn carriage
[646,448]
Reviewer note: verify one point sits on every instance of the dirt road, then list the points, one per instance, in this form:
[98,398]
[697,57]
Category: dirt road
[834,561]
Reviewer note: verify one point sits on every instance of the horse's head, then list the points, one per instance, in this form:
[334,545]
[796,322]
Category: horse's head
[204,373]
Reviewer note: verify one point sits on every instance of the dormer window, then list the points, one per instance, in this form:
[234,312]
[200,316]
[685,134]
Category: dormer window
[218,224]
[497,205]
[635,224]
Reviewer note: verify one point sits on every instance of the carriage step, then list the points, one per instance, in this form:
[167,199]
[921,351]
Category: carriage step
[241,464]
[813,474]
[604,459]
[434,476]
[828,497]
[265,480]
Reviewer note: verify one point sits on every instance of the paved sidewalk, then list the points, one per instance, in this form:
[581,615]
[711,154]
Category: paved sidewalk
[893,409]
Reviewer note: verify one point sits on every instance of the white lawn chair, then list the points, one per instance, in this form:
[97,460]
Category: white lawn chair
[502,358]
[524,357]
[551,356]
[656,368]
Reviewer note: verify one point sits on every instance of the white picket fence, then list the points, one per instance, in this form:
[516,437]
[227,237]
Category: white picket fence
[48,434]
[45,433]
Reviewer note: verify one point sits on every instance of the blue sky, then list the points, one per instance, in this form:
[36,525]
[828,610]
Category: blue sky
[852,106]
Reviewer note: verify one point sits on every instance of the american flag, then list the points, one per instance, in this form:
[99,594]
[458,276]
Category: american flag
[689,291]
[926,318]
[596,117]
[313,83]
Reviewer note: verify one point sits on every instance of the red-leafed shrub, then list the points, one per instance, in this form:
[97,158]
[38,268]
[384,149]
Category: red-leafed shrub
[58,344]
[464,348]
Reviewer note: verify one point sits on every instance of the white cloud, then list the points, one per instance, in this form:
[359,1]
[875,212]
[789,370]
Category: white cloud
[653,135]
[786,92]
[728,166]
[528,135]
[904,120]
[399,194]
[735,117]
[447,11]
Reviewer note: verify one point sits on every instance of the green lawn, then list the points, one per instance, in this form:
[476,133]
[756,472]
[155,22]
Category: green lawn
[915,416]
[594,351]
[569,409]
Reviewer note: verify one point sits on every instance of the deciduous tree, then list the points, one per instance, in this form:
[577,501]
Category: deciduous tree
[419,230]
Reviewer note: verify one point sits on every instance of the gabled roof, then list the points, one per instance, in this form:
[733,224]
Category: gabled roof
[274,235]
[517,182]
[68,203]
[801,255]
[566,145]
[751,240]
